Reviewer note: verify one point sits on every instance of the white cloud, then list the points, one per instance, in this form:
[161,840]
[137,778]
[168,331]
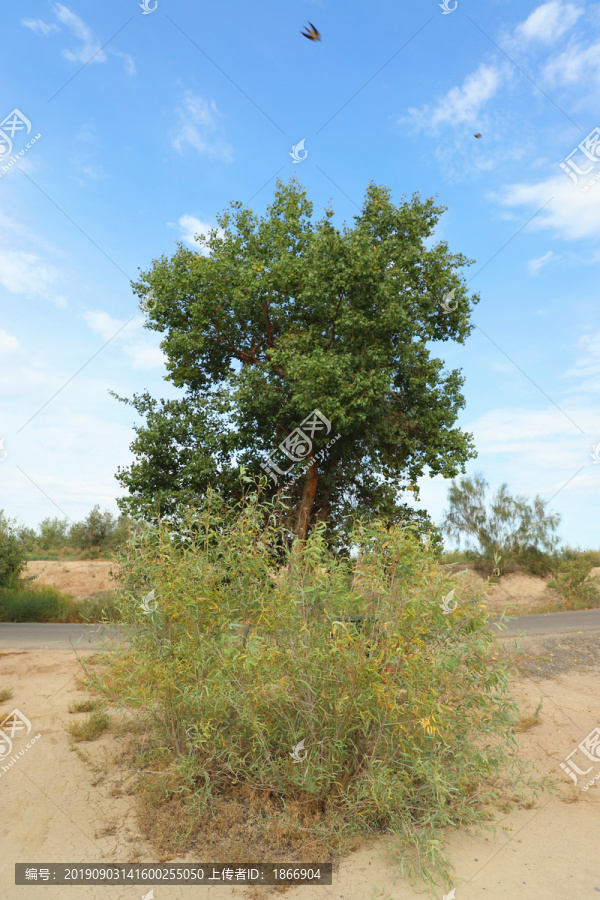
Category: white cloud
[571,213]
[129,62]
[587,366]
[104,325]
[518,430]
[143,354]
[199,127]
[89,50]
[8,343]
[575,65]
[23,381]
[461,104]
[90,46]
[548,22]
[25,273]
[39,26]
[191,226]
[534,265]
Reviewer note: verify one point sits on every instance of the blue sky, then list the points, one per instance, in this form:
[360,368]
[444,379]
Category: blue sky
[151,123]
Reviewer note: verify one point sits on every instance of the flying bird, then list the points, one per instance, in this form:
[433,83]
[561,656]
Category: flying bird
[311,33]
[477,135]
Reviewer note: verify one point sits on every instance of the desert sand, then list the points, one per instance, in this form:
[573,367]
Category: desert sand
[83,578]
[66,806]
[62,807]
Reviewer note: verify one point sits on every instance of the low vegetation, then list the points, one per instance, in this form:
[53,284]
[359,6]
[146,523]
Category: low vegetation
[43,603]
[88,704]
[512,535]
[572,579]
[266,708]
[91,728]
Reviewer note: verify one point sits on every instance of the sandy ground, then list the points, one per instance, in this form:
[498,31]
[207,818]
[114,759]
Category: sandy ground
[515,594]
[59,807]
[83,578]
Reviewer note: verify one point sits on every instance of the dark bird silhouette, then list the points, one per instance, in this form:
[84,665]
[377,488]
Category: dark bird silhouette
[311,33]
[477,135]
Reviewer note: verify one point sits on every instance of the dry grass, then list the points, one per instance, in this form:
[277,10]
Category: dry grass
[244,823]
[527,722]
[85,705]
[6,694]
[95,725]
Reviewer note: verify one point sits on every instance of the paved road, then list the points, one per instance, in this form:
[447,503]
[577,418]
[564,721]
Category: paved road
[582,620]
[42,636]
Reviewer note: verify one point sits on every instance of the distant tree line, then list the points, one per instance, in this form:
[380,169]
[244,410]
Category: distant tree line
[99,531]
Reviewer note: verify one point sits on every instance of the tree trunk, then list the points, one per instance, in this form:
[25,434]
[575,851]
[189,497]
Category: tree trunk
[306,506]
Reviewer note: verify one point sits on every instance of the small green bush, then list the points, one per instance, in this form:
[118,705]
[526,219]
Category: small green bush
[88,704]
[571,581]
[15,544]
[96,609]
[39,604]
[96,724]
[404,723]
[44,603]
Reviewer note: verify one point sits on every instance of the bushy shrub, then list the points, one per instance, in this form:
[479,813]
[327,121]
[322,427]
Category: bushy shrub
[44,603]
[15,544]
[26,604]
[404,724]
[571,581]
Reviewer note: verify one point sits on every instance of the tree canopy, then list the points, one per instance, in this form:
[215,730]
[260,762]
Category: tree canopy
[281,316]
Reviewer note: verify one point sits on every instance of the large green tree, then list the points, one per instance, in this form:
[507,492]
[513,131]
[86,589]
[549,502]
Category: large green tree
[284,316]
